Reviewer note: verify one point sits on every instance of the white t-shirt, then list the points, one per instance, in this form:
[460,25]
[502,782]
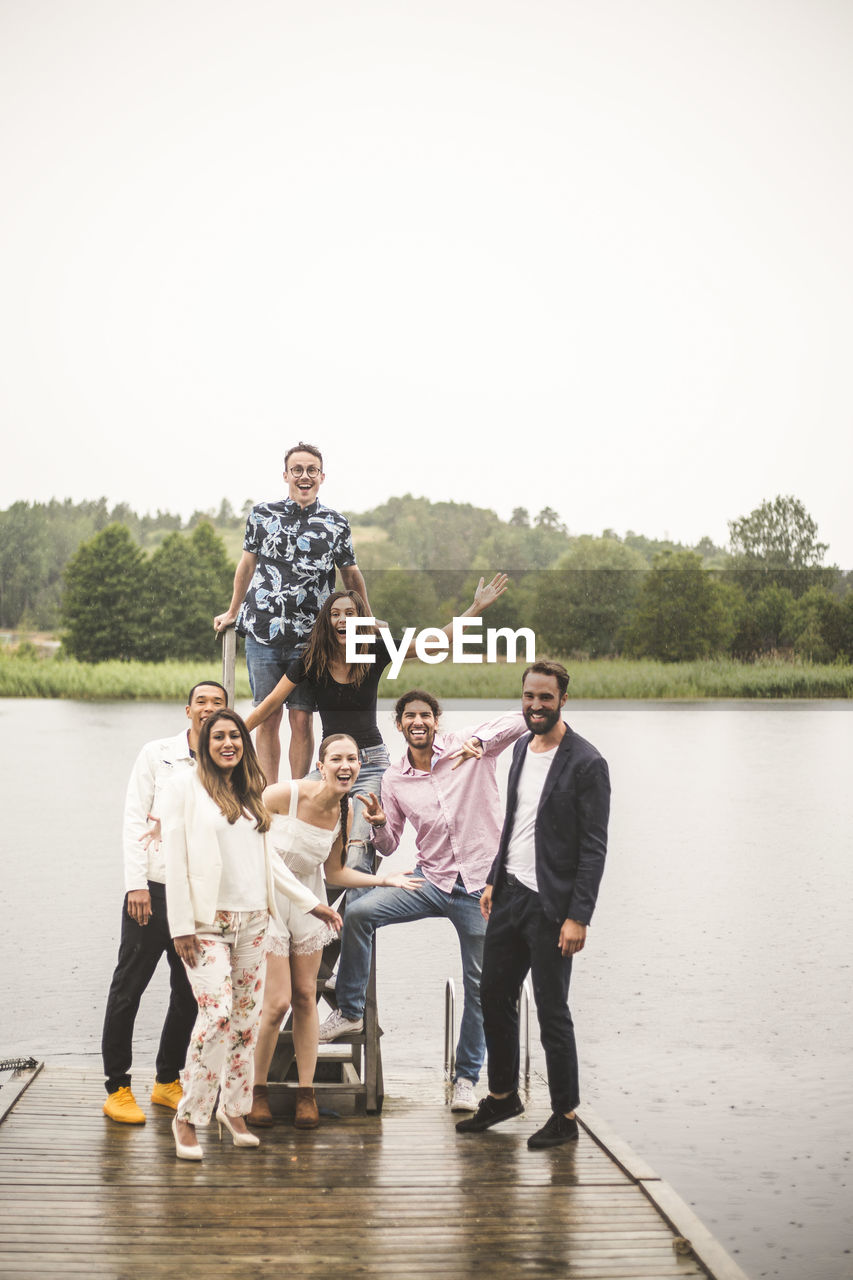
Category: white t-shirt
[521,854]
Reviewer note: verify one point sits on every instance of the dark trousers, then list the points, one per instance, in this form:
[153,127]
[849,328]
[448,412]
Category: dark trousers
[521,939]
[139,953]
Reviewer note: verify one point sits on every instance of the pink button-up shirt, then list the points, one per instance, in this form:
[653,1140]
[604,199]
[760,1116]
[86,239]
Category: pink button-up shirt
[456,813]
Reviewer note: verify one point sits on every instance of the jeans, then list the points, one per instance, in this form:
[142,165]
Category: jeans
[267,663]
[139,954]
[377,907]
[521,938]
[360,853]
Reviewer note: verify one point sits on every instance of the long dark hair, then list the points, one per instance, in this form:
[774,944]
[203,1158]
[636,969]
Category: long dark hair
[242,790]
[324,647]
[345,800]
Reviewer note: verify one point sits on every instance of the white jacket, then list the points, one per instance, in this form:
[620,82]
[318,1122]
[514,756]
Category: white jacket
[156,765]
[194,862]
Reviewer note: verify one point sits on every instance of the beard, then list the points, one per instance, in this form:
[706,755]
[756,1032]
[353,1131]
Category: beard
[540,727]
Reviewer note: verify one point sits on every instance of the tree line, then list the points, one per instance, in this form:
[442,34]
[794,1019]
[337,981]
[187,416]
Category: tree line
[125,586]
[38,539]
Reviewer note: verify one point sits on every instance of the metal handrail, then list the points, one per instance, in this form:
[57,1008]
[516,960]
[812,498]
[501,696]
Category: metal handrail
[229,662]
[449,1029]
[524,999]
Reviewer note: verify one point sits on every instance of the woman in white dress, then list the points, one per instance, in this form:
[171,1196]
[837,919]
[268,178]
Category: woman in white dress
[222,887]
[308,834]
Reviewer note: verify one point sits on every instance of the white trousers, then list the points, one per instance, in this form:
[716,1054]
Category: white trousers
[228,984]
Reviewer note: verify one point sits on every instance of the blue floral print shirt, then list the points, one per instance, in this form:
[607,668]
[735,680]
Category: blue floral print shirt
[298,549]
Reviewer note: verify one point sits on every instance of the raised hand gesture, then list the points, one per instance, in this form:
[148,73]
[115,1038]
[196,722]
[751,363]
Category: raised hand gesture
[372,809]
[488,594]
[471,749]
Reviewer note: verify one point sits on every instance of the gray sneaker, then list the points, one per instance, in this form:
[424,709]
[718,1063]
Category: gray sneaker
[337,1025]
[464,1097]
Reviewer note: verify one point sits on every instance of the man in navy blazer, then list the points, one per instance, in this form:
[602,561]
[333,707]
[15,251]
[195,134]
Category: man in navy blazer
[539,900]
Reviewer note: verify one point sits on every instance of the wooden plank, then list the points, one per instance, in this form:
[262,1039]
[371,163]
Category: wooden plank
[689,1227]
[15,1086]
[691,1234]
[615,1146]
[402,1197]
[309,1269]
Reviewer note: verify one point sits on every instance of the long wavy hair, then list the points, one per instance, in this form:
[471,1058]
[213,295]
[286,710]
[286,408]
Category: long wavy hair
[345,800]
[324,647]
[240,790]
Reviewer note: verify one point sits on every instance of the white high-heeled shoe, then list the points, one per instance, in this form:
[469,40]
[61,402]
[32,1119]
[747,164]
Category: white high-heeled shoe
[181,1151]
[240,1139]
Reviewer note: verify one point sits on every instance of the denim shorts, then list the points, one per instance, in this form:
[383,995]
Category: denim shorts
[267,663]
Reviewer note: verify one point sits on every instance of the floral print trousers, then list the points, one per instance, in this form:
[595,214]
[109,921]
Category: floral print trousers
[228,984]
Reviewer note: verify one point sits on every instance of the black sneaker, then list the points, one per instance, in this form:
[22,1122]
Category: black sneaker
[491,1111]
[556,1130]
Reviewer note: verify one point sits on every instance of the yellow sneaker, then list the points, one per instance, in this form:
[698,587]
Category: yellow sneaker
[167,1095]
[122,1106]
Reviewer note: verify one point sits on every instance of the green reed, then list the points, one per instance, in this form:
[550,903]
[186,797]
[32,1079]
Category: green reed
[30,677]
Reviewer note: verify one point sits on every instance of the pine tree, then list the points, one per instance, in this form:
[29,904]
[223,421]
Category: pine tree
[102,602]
[187,581]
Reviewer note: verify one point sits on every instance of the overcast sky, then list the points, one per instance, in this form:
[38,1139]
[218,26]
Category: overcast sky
[592,254]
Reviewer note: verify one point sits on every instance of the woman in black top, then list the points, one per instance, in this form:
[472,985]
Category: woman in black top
[346,694]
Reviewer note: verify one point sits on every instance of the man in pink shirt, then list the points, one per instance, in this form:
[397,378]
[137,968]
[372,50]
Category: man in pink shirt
[456,814]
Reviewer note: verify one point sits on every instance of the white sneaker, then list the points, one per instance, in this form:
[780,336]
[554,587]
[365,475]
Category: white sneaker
[337,1025]
[331,982]
[464,1098]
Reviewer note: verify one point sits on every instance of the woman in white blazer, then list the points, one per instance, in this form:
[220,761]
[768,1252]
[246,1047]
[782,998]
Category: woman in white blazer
[220,896]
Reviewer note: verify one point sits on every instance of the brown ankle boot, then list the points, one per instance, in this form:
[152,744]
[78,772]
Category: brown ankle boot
[260,1116]
[306,1116]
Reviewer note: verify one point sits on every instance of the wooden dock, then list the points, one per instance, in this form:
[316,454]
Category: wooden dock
[400,1196]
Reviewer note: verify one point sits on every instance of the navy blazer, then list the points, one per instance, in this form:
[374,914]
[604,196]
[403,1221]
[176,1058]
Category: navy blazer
[571,828]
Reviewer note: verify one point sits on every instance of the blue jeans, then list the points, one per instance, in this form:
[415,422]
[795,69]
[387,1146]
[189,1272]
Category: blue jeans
[266,664]
[377,907]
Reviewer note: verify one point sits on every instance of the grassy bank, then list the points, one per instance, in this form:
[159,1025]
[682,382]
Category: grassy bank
[170,681]
[104,681]
[640,679]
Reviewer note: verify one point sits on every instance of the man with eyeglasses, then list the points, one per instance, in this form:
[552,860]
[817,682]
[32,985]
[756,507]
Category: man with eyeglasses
[287,570]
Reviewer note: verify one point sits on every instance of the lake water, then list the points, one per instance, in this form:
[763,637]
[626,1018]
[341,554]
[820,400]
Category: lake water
[712,1002]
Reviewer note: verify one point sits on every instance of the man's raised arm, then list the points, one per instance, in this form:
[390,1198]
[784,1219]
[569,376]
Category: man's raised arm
[499,733]
[242,577]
